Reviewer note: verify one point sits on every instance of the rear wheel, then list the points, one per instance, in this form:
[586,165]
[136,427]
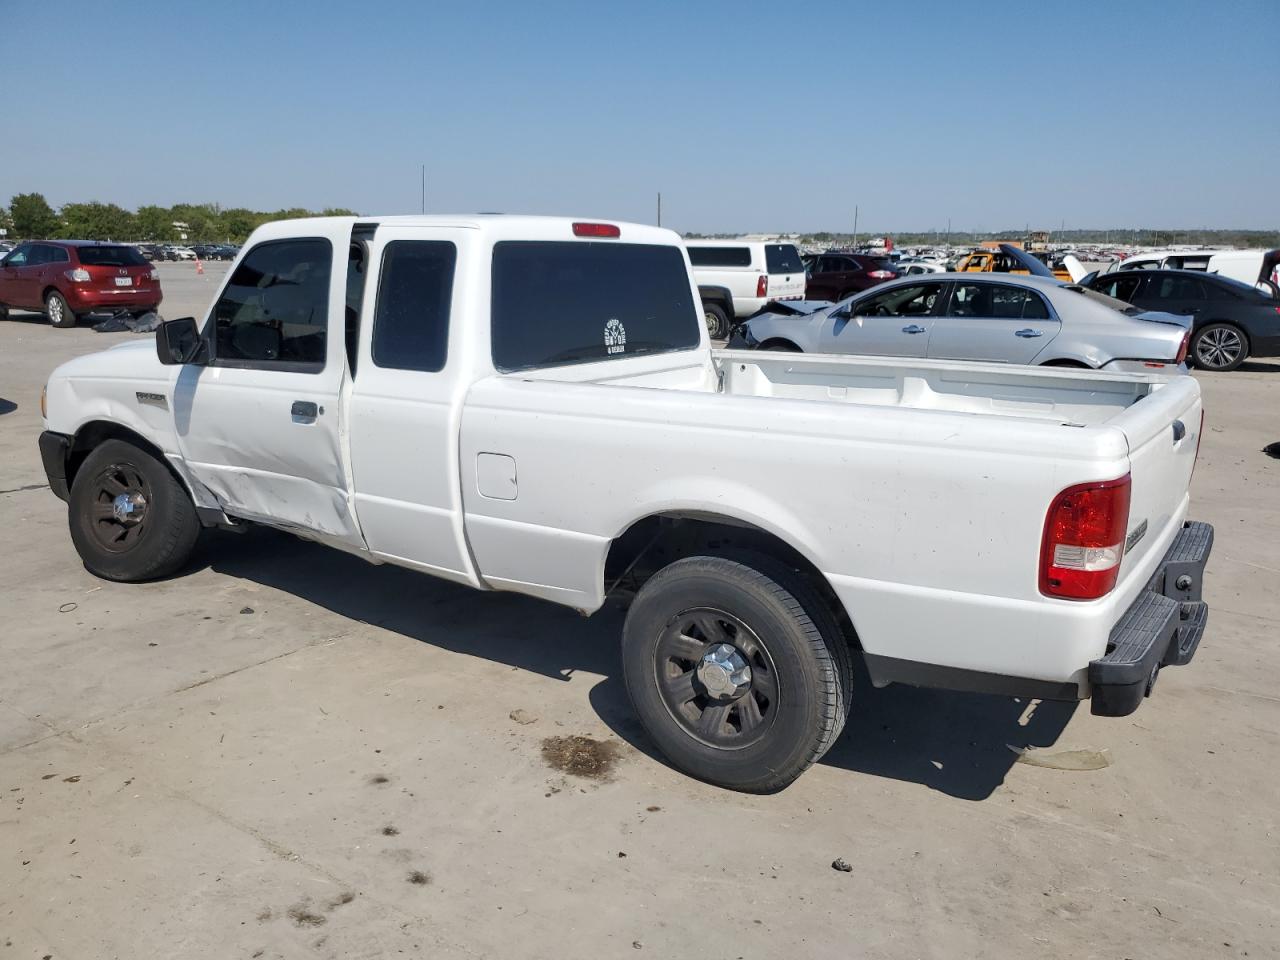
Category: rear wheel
[58,310]
[1219,346]
[737,669]
[717,321]
[130,518]
[781,346]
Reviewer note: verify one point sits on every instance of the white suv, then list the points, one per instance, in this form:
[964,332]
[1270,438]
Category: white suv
[738,277]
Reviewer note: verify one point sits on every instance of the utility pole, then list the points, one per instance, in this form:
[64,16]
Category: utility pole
[855,226]
[424,188]
[948,234]
[659,208]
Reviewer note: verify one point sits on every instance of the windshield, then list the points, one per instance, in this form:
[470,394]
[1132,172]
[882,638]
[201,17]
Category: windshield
[1102,298]
[111,257]
[782,258]
[562,302]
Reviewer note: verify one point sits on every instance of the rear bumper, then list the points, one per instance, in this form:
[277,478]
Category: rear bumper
[54,448]
[1161,628]
[88,300]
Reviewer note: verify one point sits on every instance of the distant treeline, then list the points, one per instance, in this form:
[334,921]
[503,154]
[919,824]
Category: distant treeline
[29,216]
[1118,237]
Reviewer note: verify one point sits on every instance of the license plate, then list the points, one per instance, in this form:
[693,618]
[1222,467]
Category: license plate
[124,281]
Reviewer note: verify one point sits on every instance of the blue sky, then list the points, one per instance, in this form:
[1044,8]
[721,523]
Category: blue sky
[747,116]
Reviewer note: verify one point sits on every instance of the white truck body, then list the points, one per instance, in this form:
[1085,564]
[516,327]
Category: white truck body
[753,272]
[916,490]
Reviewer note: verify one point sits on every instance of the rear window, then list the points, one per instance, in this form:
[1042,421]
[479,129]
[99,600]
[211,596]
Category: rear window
[111,257]
[782,258]
[563,302]
[720,256]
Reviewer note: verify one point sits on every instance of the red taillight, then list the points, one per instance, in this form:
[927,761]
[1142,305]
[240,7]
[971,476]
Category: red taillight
[78,275]
[1084,533]
[596,230]
[882,274]
[1182,348]
[762,285]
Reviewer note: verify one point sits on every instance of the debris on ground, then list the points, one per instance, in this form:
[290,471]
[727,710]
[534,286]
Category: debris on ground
[523,716]
[841,864]
[246,609]
[1064,759]
[122,320]
[581,756]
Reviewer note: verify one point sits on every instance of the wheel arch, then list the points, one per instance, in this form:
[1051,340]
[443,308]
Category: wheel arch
[651,542]
[720,296]
[780,342]
[93,433]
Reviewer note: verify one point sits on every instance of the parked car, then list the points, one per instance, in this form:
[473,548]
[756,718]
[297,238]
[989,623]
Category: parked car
[1001,261]
[225,251]
[914,268]
[1231,321]
[68,279]
[737,277]
[203,251]
[181,253]
[1016,531]
[1006,318]
[149,251]
[1164,260]
[835,276]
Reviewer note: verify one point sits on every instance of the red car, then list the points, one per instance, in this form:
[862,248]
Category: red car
[70,278]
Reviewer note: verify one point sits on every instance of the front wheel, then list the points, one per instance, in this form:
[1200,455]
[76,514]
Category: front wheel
[131,520]
[1219,346]
[717,321]
[58,310]
[738,670]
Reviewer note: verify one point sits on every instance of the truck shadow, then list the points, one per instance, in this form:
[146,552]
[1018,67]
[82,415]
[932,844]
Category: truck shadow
[956,743]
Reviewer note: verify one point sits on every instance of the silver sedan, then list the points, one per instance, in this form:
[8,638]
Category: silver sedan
[1001,317]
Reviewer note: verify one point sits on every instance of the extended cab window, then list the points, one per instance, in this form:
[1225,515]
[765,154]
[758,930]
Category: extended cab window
[411,326]
[275,310]
[560,302]
[720,256]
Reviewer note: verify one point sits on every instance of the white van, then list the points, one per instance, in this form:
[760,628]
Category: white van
[738,277]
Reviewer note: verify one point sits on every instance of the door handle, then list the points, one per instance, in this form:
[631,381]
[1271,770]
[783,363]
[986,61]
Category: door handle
[304,410]
[914,328]
[1028,333]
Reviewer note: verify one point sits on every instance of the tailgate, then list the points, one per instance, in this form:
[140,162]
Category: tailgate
[1163,431]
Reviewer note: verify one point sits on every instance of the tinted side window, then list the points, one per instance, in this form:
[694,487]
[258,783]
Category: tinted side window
[782,258]
[915,300]
[39,255]
[59,255]
[1176,288]
[411,323]
[1011,303]
[720,256]
[1121,288]
[275,310]
[18,258]
[559,302]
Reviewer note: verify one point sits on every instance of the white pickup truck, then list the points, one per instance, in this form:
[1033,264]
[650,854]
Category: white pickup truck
[531,405]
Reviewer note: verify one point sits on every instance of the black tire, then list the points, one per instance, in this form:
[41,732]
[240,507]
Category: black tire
[1219,346]
[758,737]
[782,346]
[58,310]
[113,543]
[717,321]
[4,312]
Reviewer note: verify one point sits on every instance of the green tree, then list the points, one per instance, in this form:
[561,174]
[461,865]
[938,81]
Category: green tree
[6,222]
[154,223]
[96,221]
[32,216]
[237,223]
[201,219]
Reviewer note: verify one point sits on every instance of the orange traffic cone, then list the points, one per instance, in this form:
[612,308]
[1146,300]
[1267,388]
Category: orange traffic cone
[199,267]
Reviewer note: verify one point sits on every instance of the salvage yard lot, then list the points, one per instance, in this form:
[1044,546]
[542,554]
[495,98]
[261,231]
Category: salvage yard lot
[289,752]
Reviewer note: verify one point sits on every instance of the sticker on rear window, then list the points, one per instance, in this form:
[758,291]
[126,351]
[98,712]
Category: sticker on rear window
[615,337]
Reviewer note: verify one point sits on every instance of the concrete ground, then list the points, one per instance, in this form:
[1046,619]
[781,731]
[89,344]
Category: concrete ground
[286,752]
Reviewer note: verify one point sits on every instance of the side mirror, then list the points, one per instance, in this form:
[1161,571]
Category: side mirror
[178,341]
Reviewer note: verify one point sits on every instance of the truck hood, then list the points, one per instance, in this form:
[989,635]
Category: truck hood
[133,358]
